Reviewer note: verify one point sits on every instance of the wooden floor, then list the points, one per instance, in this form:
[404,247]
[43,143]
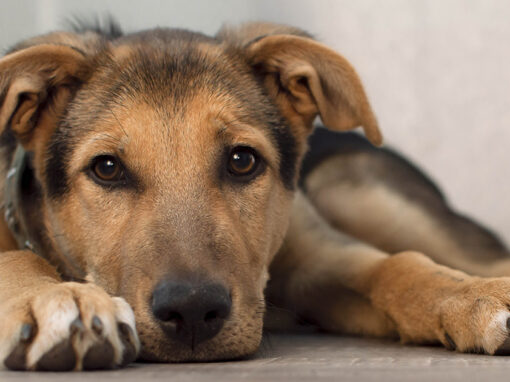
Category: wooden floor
[310,357]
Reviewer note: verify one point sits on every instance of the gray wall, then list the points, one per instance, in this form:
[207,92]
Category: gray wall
[437,72]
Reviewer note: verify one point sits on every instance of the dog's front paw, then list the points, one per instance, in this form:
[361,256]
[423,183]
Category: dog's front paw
[477,318]
[67,326]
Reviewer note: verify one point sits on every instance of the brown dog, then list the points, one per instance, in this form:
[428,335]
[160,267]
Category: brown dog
[159,171]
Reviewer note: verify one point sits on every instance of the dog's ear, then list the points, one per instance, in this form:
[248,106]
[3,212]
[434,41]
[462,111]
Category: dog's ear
[306,78]
[36,83]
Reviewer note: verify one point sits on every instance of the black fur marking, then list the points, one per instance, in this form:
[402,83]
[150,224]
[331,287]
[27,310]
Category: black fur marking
[58,153]
[280,132]
[287,147]
[8,144]
[105,26]
[325,143]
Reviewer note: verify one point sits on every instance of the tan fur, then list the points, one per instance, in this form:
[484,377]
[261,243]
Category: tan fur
[183,220]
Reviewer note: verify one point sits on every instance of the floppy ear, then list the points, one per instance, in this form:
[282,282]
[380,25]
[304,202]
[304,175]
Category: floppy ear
[35,85]
[308,79]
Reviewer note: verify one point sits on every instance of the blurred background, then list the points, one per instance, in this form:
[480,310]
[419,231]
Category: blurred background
[437,72]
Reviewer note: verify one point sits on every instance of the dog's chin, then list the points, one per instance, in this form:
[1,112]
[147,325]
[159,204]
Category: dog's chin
[176,356]
[202,353]
[228,345]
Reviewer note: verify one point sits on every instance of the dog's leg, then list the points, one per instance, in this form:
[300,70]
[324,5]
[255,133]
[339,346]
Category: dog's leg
[378,197]
[411,295]
[48,324]
[311,270]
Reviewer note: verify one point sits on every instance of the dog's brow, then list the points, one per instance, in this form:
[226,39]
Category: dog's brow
[112,113]
[224,124]
[231,123]
[118,122]
[228,126]
[110,139]
[222,130]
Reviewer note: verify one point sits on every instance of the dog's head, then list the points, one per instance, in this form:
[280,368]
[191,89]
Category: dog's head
[166,161]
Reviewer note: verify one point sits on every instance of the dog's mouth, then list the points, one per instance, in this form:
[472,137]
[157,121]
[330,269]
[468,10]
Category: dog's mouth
[235,341]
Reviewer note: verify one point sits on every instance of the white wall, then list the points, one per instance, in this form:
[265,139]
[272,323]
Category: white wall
[437,72]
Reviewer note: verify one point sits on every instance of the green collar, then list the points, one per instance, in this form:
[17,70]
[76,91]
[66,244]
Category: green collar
[14,215]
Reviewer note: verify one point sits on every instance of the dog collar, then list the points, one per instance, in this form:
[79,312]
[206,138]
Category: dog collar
[14,216]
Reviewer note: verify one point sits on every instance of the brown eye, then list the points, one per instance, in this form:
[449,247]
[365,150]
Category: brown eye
[107,168]
[243,161]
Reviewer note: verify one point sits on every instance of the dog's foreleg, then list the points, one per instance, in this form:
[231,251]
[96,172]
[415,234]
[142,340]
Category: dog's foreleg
[48,324]
[407,294]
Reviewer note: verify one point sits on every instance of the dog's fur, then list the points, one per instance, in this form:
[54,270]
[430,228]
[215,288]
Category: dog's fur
[171,105]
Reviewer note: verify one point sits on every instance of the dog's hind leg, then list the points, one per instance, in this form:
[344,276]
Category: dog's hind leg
[380,198]
[348,286]
[306,279]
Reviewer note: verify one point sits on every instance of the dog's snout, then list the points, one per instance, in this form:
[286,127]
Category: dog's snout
[191,313]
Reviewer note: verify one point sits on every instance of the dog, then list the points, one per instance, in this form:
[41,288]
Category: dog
[160,187]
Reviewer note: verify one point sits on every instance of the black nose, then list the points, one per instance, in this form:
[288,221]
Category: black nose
[191,313]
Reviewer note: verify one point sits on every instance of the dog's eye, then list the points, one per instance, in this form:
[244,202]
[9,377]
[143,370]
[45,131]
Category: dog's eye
[243,161]
[107,168]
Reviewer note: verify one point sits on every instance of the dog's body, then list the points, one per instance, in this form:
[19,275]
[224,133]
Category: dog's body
[162,168]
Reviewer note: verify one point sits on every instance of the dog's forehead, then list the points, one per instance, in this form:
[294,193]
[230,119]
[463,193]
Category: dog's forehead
[173,67]
[167,70]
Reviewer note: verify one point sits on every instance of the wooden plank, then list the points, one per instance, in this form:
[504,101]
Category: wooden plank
[309,357]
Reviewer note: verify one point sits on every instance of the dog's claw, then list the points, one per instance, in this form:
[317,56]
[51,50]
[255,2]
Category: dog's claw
[60,358]
[77,326]
[27,332]
[97,325]
[128,339]
[450,344]
[99,356]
